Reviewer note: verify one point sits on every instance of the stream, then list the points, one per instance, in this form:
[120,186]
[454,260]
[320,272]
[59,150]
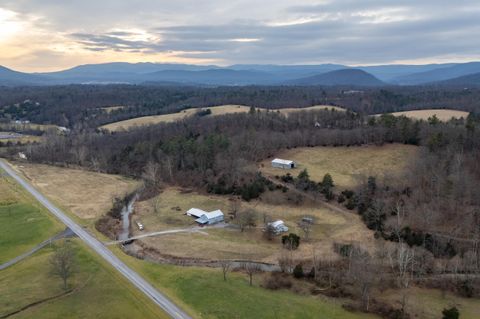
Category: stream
[126,211]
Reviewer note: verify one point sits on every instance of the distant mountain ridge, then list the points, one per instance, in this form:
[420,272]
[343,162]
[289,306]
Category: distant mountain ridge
[343,77]
[247,74]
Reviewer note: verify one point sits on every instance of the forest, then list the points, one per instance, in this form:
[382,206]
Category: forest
[84,104]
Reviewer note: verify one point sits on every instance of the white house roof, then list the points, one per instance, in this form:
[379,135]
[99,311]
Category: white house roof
[196,212]
[282,161]
[277,223]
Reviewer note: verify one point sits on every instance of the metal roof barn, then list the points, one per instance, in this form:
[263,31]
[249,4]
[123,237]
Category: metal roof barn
[282,163]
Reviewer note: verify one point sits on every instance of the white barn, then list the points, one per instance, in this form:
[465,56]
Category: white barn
[206,218]
[284,164]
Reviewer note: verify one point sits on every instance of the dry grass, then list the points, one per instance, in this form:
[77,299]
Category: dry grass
[330,227]
[442,114]
[216,110]
[429,303]
[110,109]
[347,165]
[86,194]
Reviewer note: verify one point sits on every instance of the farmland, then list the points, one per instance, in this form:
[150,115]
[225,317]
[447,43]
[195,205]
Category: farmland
[347,165]
[442,114]
[23,223]
[205,292]
[98,292]
[88,195]
[216,110]
[229,243]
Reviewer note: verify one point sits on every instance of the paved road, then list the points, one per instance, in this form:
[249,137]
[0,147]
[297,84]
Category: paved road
[161,300]
[66,233]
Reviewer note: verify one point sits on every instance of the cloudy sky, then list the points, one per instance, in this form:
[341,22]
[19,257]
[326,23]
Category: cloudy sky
[44,35]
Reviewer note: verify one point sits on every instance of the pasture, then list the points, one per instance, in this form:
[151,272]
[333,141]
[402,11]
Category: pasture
[228,243]
[216,110]
[88,195]
[98,290]
[347,165]
[23,222]
[442,114]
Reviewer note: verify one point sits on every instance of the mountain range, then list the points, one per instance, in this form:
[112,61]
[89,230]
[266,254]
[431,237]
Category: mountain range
[461,74]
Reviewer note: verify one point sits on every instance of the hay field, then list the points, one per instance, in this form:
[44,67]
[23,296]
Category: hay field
[230,243]
[100,291]
[442,114]
[216,110]
[347,165]
[88,195]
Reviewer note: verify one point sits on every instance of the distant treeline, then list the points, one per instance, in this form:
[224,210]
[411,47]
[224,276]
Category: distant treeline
[82,104]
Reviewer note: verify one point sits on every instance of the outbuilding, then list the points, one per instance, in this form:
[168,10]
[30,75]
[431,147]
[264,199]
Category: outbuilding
[284,164]
[278,226]
[206,218]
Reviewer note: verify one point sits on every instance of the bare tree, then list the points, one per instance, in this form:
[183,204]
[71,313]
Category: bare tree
[226,265]
[306,227]
[151,173]
[235,206]
[401,258]
[246,219]
[251,269]
[363,274]
[63,262]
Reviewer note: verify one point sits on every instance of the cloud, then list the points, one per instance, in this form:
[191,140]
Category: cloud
[228,32]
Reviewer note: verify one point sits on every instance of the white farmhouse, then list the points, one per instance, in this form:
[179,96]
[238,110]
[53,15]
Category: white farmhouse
[278,226]
[284,164]
[206,218]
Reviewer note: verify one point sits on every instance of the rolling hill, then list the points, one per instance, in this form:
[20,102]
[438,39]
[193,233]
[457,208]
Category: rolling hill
[440,74]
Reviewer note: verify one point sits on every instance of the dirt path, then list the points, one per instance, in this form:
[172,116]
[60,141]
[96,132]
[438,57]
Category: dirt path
[66,233]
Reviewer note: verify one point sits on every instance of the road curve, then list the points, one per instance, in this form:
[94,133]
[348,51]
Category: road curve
[157,297]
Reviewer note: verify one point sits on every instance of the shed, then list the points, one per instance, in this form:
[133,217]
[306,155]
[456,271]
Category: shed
[284,164]
[278,226]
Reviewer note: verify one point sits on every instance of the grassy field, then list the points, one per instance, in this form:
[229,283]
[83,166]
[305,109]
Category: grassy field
[172,204]
[347,165]
[99,291]
[442,114]
[86,194]
[23,222]
[216,110]
[203,291]
[429,303]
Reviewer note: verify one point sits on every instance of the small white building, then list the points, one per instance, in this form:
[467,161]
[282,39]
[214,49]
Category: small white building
[206,218]
[278,226]
[284,164]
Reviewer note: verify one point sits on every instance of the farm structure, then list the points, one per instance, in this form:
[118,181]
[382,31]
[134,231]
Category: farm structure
[278,226]
[284,164]
[206,218]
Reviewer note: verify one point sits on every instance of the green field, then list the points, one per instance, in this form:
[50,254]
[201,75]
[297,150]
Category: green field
[23,223]
[203,291]
[99,292]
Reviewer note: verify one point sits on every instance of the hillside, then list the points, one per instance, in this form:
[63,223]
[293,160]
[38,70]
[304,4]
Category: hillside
[345,77]
[9,77]
[466,80]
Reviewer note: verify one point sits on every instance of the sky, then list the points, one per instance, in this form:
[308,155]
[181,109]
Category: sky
[47,35]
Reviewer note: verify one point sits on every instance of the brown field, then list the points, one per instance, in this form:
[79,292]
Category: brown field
[86,194]
[442,114]
[230,243]
[23,139]
[216,110]
[110,109]
[347,165]
[429,303]
[29,126]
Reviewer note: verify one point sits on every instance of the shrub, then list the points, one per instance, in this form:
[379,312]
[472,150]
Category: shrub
[298,271]
[451,313]
[291,241]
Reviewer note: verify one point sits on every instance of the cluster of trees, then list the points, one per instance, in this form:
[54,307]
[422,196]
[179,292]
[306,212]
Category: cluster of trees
[72,105]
